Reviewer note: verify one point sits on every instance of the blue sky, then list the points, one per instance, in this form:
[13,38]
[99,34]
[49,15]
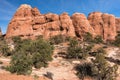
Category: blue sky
[8,7]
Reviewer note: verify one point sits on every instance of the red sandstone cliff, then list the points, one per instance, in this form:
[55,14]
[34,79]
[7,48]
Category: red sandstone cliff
[28,22]
[103,24]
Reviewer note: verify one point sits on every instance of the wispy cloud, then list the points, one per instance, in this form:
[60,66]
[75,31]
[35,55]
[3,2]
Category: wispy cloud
[6,10]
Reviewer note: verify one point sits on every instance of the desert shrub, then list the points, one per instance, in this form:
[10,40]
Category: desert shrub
[117,40]
[102,70]
[16,39]
[75,50]
[4,49]
[68,38]
[84,70]
[88,37]
[42,52]
[101,50]
[98,70]
[57,39]
[28,53]
[98,39]
[73,42]
[98,51]
[20,64]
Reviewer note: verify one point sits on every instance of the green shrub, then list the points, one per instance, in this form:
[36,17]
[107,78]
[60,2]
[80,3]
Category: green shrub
[98,51]
[77,51]
[20,64]
[4,49]
[98,70]
[57,39]
[98,39]
[28,53]
[84,70]
[42,52]
[16,39]
[102,70]
[88,37]
[117,40]
[73,42]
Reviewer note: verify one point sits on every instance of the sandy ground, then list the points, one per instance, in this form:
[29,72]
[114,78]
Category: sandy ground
[6,76]
[60,68]
[113,52]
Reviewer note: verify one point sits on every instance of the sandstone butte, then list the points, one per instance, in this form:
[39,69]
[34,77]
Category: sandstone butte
[28,22]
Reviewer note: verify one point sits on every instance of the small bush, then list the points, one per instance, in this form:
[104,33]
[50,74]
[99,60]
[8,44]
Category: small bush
[20,64]
[102,70]
[57,39]
[73,42]
[88,37]
[28,53]
[117,40]
[41,52]
[84,70]
[6,50]
[98,39]
[98,70]
[77,51]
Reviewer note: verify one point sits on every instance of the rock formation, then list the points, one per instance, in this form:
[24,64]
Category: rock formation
[117,24]
[28,22]
[103,25]
[81,25]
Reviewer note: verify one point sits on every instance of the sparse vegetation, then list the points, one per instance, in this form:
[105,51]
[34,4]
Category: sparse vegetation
[20,64]
[98,39]
[4,49]
[117,40]
[84,70]
[78,51]
[102,70]
[88,37]
[28,53]
[98,51]
[99,69]
[57,39]
[37,53]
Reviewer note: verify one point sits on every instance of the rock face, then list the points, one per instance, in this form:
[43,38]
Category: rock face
[103,25]
[28,22]
[81,25]
[117,22]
